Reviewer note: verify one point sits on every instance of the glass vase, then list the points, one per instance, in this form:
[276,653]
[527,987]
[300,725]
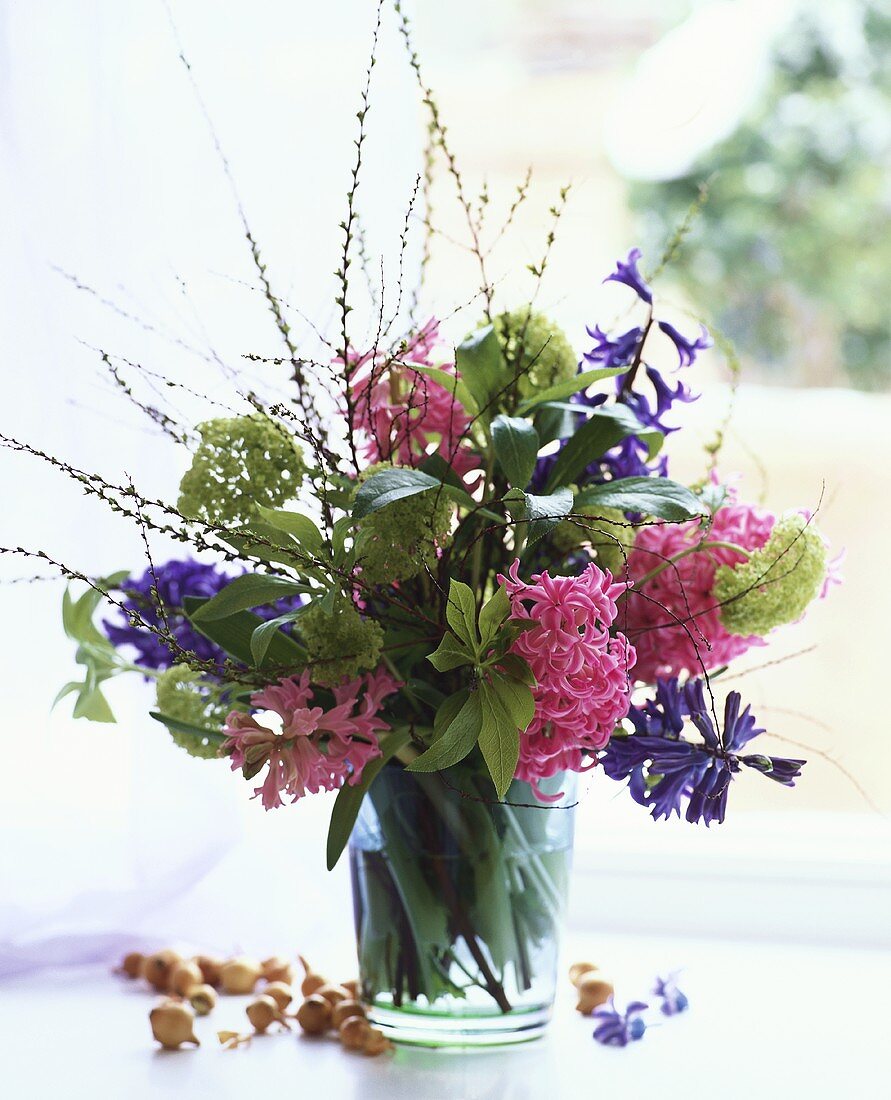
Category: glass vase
[458,902]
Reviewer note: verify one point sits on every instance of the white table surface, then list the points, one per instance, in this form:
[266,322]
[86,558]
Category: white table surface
[766,1021]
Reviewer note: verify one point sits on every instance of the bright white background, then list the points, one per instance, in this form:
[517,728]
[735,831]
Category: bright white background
[111,836]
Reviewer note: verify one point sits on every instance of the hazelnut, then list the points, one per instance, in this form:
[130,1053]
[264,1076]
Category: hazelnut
[354,1032]
[157,968]
[280,992]
[314,1015]
[578,970]
[172,1024]
[593,992]
[184,977]
[239,976]
[203,999]
[343,1010]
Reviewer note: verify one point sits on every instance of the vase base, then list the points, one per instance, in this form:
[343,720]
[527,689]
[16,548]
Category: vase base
[429,1029]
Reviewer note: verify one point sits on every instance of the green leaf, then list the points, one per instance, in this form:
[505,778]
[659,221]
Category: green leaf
[494,612]
[349,797]
[457,741]
[262,637]
[186,729]
[390,486]
[329,601]
[275,549]
[516,698]
[452,384]
[515,443]
[453,486]
[566,389]
[545,512]
[436,466]
[420,690]
[604,429]
[299,527]
[499,740]
[233,635]
[461,613]
[343,527]
[71,686]
[481,365]
[243,593]
[450,653]
[448,711]
[712,496]
[517,668]
[552,421]
[94,706]
[653,496]
[77,615]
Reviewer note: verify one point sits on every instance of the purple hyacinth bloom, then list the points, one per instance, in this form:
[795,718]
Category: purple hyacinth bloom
[663,716]
[687,349]
[628,274]
[618,1029]
[175,580]
[628,459]
[673,1000]
[666,396]
[619,352]
[664,770]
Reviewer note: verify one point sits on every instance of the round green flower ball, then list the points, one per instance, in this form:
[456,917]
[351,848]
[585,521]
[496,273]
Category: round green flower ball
[536,349]
[401,540]
[241,462]
[776,584]
[340,644]
[607,532]
[183,693]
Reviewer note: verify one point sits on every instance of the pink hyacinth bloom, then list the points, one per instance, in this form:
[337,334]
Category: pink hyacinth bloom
[317,749]
[674,619]
[582,689]
[403,414]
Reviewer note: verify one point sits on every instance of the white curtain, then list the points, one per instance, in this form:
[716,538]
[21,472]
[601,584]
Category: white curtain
[107,171]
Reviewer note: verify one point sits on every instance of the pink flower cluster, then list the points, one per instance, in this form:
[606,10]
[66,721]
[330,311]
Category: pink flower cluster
[317,749]
[673,619]
[403,413]
[582,672]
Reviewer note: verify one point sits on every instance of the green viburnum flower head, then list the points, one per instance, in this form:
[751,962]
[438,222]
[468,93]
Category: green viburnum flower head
[777,582]
[241,462]
[537,347]
[398,541]
[607,532]
[341,643]
[185,695]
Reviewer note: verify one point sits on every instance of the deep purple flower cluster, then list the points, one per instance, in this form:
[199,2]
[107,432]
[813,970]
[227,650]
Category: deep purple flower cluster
[175,580]
[618,1029]
[664,769]
[630,458]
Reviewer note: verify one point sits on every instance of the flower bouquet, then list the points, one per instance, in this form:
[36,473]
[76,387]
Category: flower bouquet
[470,582]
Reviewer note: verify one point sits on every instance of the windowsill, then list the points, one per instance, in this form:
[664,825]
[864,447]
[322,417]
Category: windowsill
[811,877]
